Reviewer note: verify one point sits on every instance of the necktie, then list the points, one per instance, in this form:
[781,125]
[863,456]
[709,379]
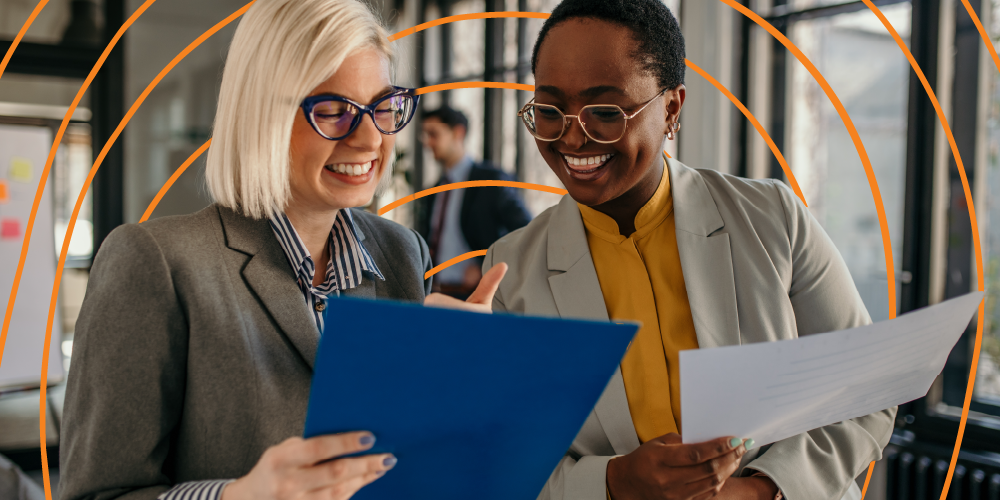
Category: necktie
[437,226]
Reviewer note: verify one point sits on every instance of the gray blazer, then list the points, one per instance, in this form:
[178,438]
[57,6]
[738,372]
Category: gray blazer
[194,350]
[757,267]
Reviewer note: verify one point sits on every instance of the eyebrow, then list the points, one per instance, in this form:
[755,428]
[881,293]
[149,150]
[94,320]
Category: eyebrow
[382,93]
[586,93]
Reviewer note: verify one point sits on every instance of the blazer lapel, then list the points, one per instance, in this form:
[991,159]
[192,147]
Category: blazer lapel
[577,294]
[706,259]
[271,277]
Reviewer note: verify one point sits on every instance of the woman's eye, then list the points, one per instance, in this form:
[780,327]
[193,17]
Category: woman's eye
[547,113]
[606,114]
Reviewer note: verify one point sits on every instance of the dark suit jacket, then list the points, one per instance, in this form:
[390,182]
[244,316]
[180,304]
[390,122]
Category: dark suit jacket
[194,350]
[487,212]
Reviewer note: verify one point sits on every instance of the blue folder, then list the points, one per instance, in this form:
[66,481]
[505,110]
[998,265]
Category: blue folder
[473,405]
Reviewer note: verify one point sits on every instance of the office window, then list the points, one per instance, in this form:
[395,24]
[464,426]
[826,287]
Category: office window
[988,374]
[870,75]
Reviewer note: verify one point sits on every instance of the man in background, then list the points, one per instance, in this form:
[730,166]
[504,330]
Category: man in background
[463,220]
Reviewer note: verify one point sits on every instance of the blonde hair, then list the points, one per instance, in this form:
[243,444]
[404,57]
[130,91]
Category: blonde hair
[281,51]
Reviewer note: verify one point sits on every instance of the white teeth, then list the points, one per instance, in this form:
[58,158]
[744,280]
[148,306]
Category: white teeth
[351,169]
[593,160]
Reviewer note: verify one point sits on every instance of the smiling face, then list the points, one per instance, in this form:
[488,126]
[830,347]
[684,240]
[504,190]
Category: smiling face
[329,175]
[585,61]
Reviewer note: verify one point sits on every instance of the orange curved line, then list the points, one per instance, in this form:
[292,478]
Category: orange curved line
[756,124]
[475,85]
[982,33]
[20,35]
[972,216]
[43,178]
[465,17]
[467,184]
[451,262]
[868,478]
[173,178]
[69,234]
[26,241]
[76,213]
[851,129]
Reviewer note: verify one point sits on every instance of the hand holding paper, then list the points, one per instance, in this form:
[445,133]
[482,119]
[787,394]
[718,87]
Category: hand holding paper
[794,386]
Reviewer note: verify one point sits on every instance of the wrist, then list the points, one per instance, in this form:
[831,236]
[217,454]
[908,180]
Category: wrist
[764,487]
[611,478]
[228,491]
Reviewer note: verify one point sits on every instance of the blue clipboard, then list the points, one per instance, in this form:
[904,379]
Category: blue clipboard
[473,405]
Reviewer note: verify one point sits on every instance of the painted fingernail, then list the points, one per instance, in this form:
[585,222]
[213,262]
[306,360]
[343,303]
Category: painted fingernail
[734,442]
[749,444]
[367,440]
[389,462]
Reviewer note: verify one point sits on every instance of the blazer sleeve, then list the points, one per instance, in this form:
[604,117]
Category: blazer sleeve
[577,476]
[498,305]
[512,212]
[822,463]
[425,259]
[125,390]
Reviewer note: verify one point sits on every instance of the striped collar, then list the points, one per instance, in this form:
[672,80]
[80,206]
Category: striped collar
[348,257]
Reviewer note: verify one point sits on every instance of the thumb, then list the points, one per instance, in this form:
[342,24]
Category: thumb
[488,285]
[671,438]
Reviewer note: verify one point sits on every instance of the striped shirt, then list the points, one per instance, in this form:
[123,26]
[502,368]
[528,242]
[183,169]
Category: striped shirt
[348,260]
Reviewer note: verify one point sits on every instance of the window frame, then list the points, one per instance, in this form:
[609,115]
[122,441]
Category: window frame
[934,418]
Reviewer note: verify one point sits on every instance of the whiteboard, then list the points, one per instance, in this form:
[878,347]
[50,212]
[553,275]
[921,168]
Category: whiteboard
[23,151]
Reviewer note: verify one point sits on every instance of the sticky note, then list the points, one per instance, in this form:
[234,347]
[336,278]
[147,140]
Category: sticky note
[10,228]
[4,192]
[21,169]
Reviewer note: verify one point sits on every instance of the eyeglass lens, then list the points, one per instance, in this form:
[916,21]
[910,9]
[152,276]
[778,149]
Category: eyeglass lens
[338,118]
[601,123]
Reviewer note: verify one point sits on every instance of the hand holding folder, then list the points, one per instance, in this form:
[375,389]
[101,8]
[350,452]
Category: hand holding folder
[473,405]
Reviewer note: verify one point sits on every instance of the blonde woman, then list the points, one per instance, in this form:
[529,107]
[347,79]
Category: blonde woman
[195,343]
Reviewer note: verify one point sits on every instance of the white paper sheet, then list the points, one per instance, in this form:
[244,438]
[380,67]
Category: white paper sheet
[774,390]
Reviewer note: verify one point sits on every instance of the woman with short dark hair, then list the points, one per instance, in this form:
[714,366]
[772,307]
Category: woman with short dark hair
[701,259]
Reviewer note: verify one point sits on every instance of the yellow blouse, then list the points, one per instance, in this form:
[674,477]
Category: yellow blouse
[642,280]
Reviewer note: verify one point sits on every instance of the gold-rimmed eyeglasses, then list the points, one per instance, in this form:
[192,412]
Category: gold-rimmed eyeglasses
[603,123]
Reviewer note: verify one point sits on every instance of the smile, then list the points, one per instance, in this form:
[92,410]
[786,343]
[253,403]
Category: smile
[350,169]
[587,165]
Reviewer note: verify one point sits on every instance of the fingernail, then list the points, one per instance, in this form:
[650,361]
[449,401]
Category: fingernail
[734,442]
[367,440]
[389,463]
[749,444]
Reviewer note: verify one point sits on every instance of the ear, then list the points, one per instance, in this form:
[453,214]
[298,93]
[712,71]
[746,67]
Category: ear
[673,101]
[460,132]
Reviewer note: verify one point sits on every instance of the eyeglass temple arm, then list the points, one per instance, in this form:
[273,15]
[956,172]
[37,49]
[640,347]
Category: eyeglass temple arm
[644,106]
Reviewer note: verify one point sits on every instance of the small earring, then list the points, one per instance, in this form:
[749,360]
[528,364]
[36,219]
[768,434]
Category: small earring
[674,128]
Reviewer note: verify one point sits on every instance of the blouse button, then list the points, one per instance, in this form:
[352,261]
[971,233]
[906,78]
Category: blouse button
[320,306]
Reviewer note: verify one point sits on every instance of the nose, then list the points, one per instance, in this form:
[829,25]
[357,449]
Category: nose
[366,137]
[575,137]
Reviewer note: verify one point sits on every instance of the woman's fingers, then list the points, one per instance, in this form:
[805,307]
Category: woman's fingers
[488,285]
[344,490]
[722,467]
[441,300]
[297,452]
[344,470]
[675,454]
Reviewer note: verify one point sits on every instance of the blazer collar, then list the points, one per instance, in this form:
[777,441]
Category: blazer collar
[695,210]
[273,280]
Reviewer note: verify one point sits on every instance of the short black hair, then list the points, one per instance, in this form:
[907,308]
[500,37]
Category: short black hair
[661,43]
[448,116]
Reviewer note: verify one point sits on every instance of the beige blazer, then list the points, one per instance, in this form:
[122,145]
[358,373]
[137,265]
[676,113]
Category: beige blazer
[757,267]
